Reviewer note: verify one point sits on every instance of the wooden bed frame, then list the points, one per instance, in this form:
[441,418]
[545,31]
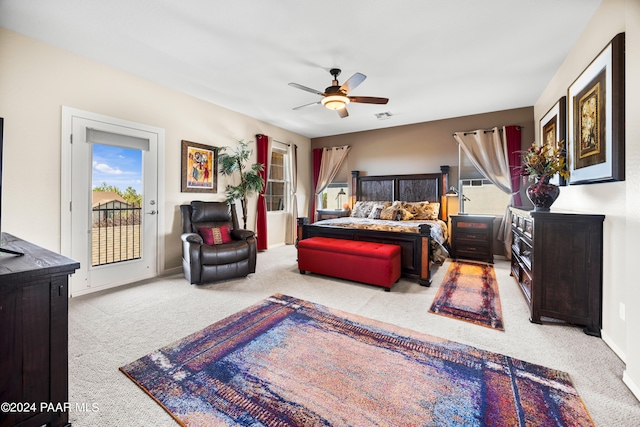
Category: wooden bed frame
[409,188]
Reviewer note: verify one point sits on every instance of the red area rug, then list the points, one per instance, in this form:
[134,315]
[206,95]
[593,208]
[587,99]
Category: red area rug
[469,292]
[289,362]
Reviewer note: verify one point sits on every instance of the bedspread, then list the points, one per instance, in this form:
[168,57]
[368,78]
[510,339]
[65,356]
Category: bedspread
[439,234]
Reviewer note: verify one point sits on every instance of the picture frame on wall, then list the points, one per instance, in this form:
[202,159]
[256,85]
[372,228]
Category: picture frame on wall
[553,132]
[596,140]
[199,168]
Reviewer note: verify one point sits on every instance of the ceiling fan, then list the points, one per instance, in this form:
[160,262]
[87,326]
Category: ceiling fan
[336,97]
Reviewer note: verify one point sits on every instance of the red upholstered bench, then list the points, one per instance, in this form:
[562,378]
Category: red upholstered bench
[366,262]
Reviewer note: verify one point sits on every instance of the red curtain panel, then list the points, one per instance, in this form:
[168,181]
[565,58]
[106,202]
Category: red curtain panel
[513,135]
[262,144]
[317,162]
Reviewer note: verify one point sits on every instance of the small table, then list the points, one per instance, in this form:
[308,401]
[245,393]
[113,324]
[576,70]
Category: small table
[472,237]
[332,213]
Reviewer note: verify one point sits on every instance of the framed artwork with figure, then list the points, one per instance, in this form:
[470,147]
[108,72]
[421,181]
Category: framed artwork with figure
[596,140]
[553,132]
[199,168]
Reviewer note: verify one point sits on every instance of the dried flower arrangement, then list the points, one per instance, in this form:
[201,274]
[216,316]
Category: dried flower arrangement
[544,161]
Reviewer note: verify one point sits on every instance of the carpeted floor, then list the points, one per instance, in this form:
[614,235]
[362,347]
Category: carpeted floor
[111,328]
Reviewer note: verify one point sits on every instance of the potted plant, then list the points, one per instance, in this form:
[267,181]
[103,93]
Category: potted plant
[541,163]
[236,160]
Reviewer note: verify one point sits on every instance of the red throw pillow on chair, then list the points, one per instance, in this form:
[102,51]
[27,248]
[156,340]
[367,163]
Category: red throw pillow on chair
[215,235]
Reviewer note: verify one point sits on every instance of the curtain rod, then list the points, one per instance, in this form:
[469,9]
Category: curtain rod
[485,131]
[283,143]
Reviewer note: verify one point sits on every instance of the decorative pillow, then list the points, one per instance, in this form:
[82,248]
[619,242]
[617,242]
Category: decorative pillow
[215,235]
[375,211]
[432,211]
[362,209]
[389,213]
[404,215]
[359,210]
[422,210]
[414,207]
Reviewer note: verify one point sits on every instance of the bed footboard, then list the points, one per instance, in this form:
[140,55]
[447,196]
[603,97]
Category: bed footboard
[414,247]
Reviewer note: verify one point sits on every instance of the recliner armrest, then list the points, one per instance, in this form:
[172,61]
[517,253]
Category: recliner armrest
[242,234]
[192,238]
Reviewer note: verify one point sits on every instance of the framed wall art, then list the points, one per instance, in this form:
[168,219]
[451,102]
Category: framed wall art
[553,132]
[596,143]
[199,168]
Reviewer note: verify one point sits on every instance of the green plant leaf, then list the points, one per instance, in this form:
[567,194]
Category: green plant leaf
[234,162]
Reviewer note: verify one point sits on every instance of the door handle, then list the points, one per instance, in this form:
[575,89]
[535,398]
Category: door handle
[152,213]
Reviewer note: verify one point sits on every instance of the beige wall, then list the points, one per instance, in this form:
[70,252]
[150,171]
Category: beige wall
[422,147]
[36,80]
[619,200]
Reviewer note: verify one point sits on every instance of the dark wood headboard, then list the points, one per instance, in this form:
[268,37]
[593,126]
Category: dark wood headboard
[407,188]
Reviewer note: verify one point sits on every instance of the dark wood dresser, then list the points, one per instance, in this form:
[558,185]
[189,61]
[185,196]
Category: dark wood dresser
[472,237]
[557,261]
[34,381]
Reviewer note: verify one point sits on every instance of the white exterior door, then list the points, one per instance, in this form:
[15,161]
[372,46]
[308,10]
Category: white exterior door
[115,241]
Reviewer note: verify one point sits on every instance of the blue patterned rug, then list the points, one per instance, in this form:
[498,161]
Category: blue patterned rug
[289,362]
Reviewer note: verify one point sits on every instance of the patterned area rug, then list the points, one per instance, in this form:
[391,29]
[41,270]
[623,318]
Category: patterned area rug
[469,292]
[289,362]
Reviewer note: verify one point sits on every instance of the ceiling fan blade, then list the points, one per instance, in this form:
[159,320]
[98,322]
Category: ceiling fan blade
[307,105]
[353,82]
[342,112]
[308,89]
[368,99]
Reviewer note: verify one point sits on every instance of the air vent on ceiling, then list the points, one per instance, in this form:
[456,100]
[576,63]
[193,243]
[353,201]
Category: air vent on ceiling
[383,116]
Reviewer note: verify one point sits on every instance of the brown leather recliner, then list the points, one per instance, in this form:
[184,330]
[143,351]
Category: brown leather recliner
[204,263]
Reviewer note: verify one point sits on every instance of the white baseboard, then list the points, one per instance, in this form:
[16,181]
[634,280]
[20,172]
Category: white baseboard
[277,245]
[86,291]
[171,271]
[617,350]
[635,389]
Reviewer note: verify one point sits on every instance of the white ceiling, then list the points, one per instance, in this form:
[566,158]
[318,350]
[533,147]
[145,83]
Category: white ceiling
[433,59]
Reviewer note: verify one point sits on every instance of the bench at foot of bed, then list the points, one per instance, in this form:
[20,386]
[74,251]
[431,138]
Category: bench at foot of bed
[367,262]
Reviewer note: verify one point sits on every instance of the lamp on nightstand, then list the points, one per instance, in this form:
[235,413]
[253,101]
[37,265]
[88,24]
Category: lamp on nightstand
[452,202]
[452,205]
[340,193]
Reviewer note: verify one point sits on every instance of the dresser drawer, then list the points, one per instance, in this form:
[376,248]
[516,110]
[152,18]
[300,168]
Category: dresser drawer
[516,243]
[527,227]
[468,225]
[472,235]
[472,250]
[526,282]
[526,253]
[516,268]
[521,246]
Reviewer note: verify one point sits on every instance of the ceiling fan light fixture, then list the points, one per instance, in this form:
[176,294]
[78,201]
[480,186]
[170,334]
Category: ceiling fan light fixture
[335,102]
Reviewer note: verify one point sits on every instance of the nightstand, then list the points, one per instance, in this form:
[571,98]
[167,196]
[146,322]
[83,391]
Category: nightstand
[332,213]
[472,237]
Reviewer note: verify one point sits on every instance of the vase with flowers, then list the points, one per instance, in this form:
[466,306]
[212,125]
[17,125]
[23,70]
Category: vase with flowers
[541,163]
